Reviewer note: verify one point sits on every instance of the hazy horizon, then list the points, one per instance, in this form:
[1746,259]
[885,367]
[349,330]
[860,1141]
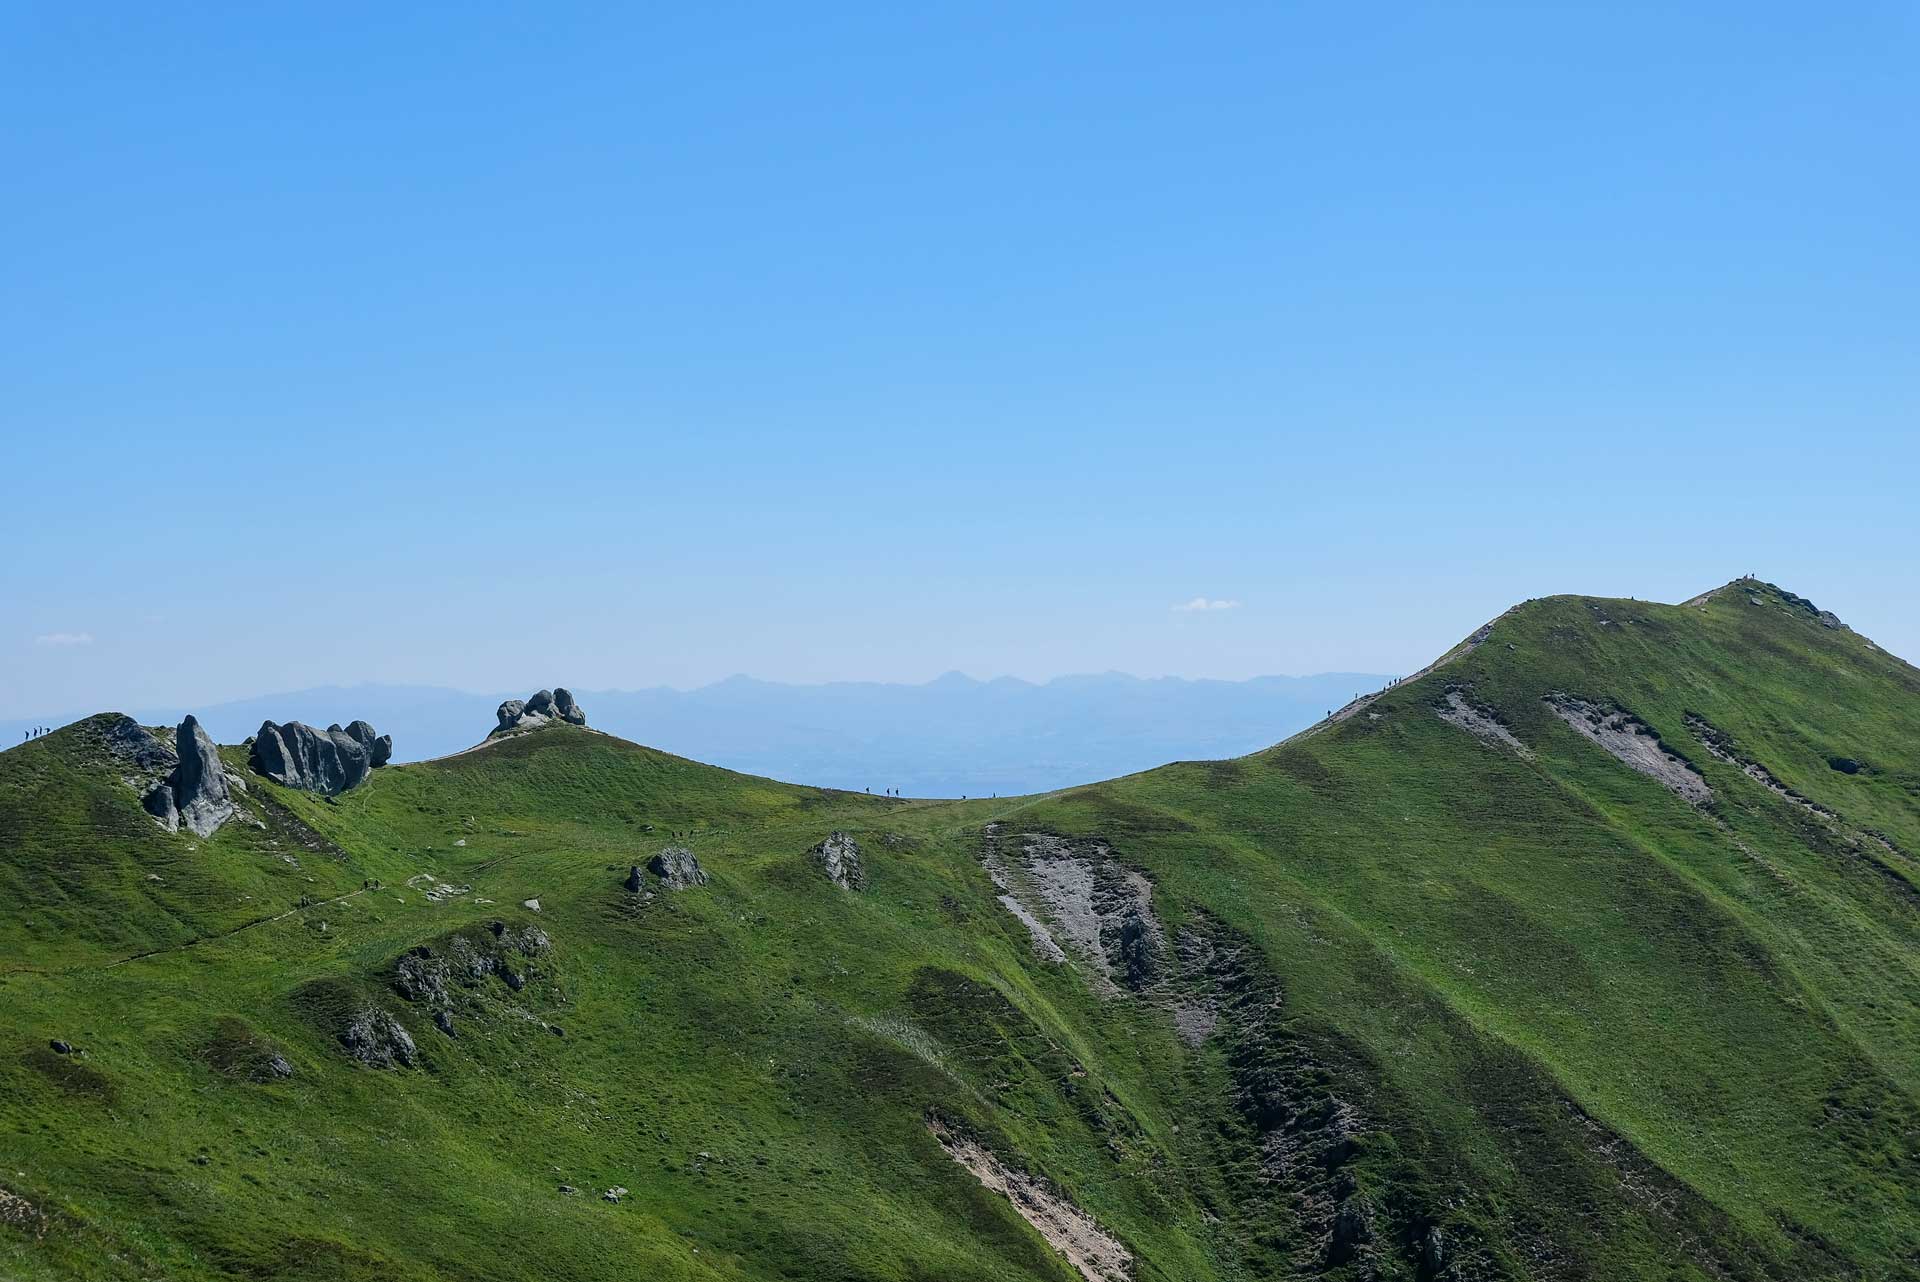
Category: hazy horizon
[951,736]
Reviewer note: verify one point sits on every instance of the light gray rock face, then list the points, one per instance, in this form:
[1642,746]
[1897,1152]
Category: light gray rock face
[677,869]
[377,1039]
[199,783]
[327,761]
[839,856]
[546,707]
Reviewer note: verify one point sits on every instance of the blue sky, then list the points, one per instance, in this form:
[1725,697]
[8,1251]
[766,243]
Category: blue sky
[616,347]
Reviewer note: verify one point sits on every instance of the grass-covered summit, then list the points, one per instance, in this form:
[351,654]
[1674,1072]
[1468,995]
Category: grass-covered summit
[1590,952]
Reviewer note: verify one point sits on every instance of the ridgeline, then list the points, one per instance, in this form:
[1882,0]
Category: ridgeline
[1591,951]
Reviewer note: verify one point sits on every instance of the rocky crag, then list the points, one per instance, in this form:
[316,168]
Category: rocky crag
[328,762]
[548,707]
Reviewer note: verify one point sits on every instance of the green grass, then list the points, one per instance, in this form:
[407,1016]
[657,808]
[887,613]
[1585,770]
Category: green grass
[1584,1029]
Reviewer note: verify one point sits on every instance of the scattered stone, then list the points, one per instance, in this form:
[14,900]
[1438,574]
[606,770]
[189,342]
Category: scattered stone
[328,762]
[443,1020]
[613,1194]
[568,1190]
[548,707]
[377,1039]
[531,905]
[434,889]
[839,855]
[636,880]
[677,869]
[278,1066]
[59,1047]
[1845,765]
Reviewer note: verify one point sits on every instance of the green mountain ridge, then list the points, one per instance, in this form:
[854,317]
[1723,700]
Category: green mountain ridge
[1588,952]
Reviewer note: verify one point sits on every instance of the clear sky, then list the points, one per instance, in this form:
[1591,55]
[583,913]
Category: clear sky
[626,345]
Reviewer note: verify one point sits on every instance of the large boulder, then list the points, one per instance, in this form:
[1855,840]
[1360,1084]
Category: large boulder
[195,795]
[545,708]
[327,761]
[677,869]
[379,746]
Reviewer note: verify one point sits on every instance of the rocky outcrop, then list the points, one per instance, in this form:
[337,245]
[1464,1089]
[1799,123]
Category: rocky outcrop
[447,978]
[200,789]
[677,869]
[327,761]
[377,1039]
[195,794]
[1074,890]
[839,857]
[548,707]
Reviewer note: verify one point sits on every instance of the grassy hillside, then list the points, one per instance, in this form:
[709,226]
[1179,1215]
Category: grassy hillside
[1443,988]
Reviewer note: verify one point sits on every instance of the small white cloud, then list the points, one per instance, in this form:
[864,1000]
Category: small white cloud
[1200,603]
[64,638]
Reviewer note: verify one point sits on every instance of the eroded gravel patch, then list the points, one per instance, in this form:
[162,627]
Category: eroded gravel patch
[1097,1254]
[1633,743]
[1481,723]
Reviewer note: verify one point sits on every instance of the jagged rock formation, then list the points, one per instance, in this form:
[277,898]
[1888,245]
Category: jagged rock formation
[327,761]
[543,709]
[677,869]
[839,856]
[195,795]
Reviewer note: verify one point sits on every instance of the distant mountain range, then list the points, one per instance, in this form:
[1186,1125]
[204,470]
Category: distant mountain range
[953,736]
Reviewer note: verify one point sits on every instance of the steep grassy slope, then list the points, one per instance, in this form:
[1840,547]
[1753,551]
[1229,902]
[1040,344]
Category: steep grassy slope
[1406,997]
